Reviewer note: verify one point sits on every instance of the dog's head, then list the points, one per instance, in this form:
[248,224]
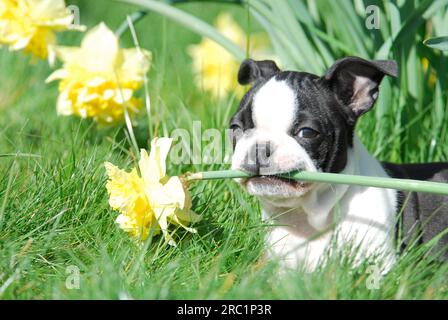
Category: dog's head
[291,121]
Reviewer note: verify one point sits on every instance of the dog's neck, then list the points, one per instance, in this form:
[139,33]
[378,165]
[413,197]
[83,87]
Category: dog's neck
[318,210]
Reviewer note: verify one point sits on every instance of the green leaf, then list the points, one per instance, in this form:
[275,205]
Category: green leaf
[440,43]
[424,10]
[191,22]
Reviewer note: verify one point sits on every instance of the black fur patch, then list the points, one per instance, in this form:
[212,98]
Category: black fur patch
[422,216]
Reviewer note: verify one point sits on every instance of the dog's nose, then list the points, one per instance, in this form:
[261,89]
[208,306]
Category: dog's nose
[257,157]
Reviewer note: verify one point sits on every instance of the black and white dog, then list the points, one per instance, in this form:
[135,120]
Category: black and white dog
[292,121]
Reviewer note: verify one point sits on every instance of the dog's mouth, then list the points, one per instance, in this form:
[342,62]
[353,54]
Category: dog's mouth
[275,186]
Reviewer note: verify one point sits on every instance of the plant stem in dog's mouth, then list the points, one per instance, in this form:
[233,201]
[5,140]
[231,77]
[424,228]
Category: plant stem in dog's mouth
[334,178]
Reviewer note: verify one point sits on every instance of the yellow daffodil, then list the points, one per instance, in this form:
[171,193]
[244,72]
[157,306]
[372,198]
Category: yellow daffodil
[214,67]
[98,79]
[432,76]
[30,25]
[149,202]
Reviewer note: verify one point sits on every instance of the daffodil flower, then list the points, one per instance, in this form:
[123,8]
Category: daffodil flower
[30,25]
[150,202]
[214,67]
[98,79]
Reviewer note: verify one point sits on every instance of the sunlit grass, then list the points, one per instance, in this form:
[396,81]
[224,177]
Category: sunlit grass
[53,202]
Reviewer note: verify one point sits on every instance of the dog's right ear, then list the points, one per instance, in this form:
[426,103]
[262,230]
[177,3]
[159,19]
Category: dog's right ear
[356,82]
[251,70]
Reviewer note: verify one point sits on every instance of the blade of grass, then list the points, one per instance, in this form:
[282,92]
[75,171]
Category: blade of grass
[426,9]
[134,17]
[190,22]
[145,76]
[12,175]
[17,155]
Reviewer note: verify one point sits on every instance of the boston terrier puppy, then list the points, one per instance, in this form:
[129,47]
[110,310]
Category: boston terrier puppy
[290,121]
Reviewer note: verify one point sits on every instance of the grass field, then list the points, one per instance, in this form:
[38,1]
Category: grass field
[54,212]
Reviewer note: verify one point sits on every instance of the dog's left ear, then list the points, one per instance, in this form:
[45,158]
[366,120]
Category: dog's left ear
[356,81]
[251,70]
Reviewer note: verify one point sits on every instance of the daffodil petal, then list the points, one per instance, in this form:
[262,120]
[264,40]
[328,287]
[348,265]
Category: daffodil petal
[57,75]
[99,49]
[122,95]
[169,194]
[42,9]
[153,167]
[124,222]
[124,188]
[135,64]
[162,218]
[116,186]
[64,105]
[160,148]
[31,25]
[66,54]
[127,196]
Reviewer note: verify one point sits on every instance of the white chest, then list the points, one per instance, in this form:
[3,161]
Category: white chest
[357,217]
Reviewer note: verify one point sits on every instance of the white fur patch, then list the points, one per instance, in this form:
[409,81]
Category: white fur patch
[366,218]
[274,106]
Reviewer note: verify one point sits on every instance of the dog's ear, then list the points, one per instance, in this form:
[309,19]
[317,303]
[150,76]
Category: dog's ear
[356,81]
[251,70]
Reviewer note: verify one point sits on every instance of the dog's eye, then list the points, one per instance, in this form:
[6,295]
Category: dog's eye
[236,129]
[235,126]
[307,133]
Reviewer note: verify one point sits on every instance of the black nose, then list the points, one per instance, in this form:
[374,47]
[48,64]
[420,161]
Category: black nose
[257,157]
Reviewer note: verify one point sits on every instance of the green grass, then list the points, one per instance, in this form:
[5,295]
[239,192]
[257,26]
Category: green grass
[53,203]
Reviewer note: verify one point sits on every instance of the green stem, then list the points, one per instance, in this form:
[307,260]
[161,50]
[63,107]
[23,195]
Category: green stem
[135,17]
[337,178]
[138,15]
[191,22]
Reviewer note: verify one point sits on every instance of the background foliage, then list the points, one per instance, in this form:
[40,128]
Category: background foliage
[53,204]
